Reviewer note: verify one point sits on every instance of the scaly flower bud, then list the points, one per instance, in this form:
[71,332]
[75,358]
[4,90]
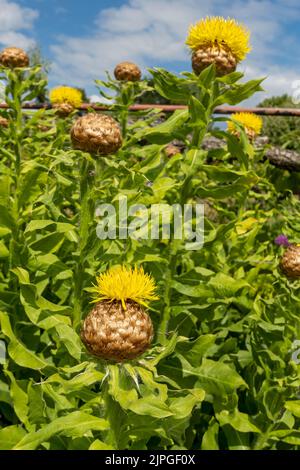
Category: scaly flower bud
[3,122]
[290,262]
[63,109]
[96,133]
[127,72]
[14,57]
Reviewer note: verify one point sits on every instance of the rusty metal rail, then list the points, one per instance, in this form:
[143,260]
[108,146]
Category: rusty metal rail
[169,108]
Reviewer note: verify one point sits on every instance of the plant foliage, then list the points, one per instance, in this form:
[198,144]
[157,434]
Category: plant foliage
[220,374]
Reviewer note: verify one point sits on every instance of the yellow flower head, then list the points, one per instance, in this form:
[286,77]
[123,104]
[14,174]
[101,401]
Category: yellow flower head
[65,94]
[252,123]
[221,32]
[121,284]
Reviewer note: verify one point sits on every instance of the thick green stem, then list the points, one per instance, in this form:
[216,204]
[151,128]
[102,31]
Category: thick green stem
[262,439]
[17,118]
[112,411]
[162,334]
[124,121]
[174,245]
[86,180]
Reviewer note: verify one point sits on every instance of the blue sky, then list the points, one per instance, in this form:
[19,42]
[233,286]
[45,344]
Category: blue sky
[82,39]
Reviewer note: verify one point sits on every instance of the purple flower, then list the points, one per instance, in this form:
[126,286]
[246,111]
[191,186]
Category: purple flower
[282,240]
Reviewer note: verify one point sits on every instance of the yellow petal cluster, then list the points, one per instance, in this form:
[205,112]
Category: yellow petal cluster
[65,94]
[121,283]
[222,33]
[250,121]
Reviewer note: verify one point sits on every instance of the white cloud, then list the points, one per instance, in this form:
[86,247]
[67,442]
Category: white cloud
[15,23]
[153,33]
[99,99]
[276,82]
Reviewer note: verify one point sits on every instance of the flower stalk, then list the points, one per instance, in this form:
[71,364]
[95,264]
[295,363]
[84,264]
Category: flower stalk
[87,180]
[15,78]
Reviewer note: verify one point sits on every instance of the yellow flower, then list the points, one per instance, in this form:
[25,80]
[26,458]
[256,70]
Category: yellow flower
[65,94]
[121,283]
[220,32]
[251,122]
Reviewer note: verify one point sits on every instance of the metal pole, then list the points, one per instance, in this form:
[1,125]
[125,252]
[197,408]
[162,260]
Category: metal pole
[170,108]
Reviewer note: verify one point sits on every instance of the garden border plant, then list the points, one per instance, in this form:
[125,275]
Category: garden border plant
[219,373]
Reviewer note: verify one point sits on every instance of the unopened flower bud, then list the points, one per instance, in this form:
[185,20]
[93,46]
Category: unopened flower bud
[116,334]
[127,72]
[3,122]
[290,262]
[14,57]
[96,133]
[63,109]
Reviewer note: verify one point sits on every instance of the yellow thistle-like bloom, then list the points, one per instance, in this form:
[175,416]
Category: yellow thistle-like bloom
[121,284]
[118,328]
[221,33]
[66,95]
[251,122]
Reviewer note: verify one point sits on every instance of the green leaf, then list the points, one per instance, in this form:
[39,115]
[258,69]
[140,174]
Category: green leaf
[223,174]
[198,112]
[19,398]
[164,351]
[194,351]
[4,252]
[120,388]
[85,379]
[49,243]
[239,421]
[22,275]
[235,439]
[294,407]
[6,218]
[36,404]
[169,86]
[33,175]
[161,187]
[182,407]
[5,182]
[216,378]
[226,286]
[210,438]
[168,130]
[224,191]
[199,291]
[151,406]
[290,436]
[240,92]
[5,393]
[75,424]
[70,339]
[273,400]
[99,445]
[10,436]
[17,351]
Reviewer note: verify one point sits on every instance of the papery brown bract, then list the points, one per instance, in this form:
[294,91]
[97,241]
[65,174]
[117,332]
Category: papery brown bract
[96,133]
[290,262]
[114,333]
[14,57]
[127,72]
[222,57]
